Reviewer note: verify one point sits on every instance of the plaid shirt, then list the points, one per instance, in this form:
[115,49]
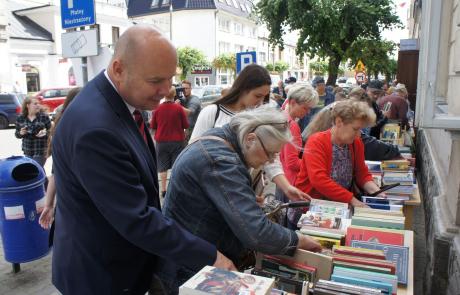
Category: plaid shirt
[31,144]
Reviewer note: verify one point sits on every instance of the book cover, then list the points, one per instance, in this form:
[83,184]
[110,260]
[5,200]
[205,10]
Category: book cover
[287,268]
[397,254]
[320,220]
[386,207]
[374,166]
[347,288]
[211,280]
[386,270]
[366,261]
[360,252]
[358,210]
[360,233]
[322,233]
[327,243]
[377,223]
[282,283]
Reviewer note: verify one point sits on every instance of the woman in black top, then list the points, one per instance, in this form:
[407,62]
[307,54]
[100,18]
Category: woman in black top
[33,126]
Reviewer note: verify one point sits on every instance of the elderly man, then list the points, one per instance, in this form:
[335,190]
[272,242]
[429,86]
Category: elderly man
[375,91]
[110,232]
[397,105]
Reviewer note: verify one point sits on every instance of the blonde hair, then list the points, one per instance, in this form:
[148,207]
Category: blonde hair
[401,88]
[303,93]
[171,94]
[347,110]
[268,123]
[359,94]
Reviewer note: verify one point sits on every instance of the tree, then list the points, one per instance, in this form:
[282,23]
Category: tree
[189,57]
[391,70]
[318,68]
[375,54]
[327,28]
[225,61]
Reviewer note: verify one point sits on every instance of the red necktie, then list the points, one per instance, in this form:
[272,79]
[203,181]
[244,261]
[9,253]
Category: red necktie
[140,124]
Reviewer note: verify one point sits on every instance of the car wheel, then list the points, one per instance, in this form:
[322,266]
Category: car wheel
[3,122]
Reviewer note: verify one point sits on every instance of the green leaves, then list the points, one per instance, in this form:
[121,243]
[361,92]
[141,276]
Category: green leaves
[327,28]
[225,61]
[189,57]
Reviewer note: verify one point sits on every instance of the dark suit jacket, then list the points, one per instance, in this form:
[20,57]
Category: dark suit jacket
[110,232]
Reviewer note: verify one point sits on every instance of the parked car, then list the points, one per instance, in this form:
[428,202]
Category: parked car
[10,108]
[51,98]
[209,93]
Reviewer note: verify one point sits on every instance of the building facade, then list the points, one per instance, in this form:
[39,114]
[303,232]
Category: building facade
[31,44]
[215,27]
[437,26]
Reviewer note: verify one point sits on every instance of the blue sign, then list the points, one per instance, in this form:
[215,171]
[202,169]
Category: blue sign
[77,13]
[245,58]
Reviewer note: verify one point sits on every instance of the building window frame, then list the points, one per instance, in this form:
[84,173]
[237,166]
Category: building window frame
[429,88]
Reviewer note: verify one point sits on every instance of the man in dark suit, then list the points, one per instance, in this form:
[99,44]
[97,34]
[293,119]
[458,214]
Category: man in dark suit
[110,233]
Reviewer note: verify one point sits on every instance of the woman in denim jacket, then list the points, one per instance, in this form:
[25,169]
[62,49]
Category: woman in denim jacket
[210,190]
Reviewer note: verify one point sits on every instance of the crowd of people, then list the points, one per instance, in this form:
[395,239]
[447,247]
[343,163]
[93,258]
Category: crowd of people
[113,236]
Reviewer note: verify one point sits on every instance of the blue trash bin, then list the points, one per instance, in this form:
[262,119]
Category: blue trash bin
[22,199]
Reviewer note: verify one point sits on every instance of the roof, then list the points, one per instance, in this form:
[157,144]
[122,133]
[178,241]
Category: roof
[22,27]
[146,7]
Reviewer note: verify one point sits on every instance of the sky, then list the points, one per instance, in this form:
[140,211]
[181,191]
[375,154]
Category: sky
[402,10]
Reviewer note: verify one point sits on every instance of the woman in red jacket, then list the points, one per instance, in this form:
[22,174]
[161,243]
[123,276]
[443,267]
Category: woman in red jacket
[334,159]
[300,99]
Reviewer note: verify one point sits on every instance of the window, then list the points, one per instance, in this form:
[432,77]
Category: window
[165,2]
[253,32]
[243,8]
[239,48]
[224,25]
[251,48]
[6,99]
[262,56]
[154,3]
[224,77]
[238,29]
[224,47]
[235,3]
[201,81]
[248,7]
[433,109]
[115,35]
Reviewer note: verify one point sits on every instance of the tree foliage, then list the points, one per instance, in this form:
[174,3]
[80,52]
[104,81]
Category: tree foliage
[278,67]
[225,61]
[327,28]
[374,53]
[319,67]
[189,57]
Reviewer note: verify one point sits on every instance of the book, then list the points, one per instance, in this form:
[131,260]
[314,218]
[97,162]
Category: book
[380,200]
[330,207]
[398,254]
[358,210]
[391,133]
[347,288]
[377,222]
[367,275]
[288,268]
[211,280]
[384,236]
[322,233]
[365,261]
[387,288]
[374,166]
[361,252]
[284,284]
[386,207]
[378,269]
[402,165]
[326,242]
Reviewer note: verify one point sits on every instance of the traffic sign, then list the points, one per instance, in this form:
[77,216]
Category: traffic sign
[77,13]
[80,43]
[360,77]
[360,67]
[244,59]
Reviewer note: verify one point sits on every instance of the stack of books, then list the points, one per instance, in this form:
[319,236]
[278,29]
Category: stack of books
[326,221]
[378,218]
[391,133]
[398,171]
[324,287]
[290,276]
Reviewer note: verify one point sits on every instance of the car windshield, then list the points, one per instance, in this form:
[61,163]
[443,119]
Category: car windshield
[198,91]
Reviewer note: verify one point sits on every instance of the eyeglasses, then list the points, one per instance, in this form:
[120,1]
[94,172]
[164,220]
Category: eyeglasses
[285,124]
[270,156]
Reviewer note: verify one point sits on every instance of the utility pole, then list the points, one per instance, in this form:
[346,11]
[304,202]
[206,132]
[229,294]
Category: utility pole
[170,20]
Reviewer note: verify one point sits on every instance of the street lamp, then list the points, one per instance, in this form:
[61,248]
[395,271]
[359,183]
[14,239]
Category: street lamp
[170,20]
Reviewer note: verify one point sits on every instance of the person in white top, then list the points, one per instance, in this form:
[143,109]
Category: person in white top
[250,89]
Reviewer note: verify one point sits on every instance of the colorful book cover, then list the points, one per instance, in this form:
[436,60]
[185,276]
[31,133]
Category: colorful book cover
[398,254]
[367,275]
[366,261]
[377,223]
[327,243]
[393,237]
[386,270]
[319,219]
[360,252]
[211,280]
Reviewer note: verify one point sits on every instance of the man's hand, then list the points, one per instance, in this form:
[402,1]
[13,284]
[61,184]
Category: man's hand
[223,262]
[23,131]
[294,194]
[357,203]
[47,217]
[308,243]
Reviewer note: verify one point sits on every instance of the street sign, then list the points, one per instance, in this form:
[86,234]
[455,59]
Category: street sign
[360,67]
[360,77]
[244,59]
[79,43]
[77,13]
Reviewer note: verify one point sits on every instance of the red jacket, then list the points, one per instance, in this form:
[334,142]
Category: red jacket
[315,170]
[169,121]
[289,155]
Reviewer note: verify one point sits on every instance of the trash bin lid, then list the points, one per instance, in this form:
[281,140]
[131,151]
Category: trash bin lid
[18,172]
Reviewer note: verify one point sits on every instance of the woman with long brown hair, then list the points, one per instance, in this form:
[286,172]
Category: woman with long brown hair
[32,126]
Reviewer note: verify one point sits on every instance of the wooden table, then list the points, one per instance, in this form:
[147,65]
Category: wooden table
[408,208]
[408,242]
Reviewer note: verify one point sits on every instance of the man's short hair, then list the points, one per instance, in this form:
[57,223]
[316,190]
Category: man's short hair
[187,82]
[375,85]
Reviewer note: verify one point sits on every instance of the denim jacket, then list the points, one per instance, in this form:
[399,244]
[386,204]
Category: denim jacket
[210,195]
